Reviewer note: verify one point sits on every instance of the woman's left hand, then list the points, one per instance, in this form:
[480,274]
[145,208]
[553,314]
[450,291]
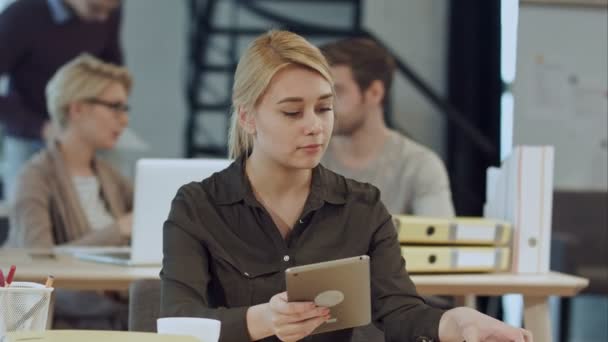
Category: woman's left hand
[466,324]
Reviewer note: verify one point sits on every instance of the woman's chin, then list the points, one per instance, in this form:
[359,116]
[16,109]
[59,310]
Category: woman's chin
[308,163]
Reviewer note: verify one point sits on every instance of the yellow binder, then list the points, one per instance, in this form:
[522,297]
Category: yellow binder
[459,230]
[430,259]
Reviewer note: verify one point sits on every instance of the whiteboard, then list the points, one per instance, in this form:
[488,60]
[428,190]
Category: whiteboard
[561,91]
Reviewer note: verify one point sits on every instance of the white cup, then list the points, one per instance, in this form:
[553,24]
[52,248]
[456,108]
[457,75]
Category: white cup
[204,329]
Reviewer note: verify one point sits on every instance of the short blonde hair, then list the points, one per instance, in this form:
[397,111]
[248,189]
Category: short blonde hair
[82,78]
[264,57]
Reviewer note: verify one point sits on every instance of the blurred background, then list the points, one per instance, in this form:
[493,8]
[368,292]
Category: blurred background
[474,79]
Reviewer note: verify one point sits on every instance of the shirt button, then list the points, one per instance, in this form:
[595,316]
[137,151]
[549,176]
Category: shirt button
[286,258]
[301,221]
[424,339]
[246,274]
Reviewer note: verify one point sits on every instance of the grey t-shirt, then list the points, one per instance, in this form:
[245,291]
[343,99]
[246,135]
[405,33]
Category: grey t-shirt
[411,178]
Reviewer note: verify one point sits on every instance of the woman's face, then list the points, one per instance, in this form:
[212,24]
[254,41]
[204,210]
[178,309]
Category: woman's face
[102,119]
[293,121]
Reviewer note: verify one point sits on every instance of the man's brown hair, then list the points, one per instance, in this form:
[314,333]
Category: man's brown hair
[367,59]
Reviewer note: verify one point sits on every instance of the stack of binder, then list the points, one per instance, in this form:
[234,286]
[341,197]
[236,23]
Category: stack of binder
[454,245]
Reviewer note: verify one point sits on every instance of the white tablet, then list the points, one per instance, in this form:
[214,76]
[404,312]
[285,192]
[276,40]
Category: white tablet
[341,285]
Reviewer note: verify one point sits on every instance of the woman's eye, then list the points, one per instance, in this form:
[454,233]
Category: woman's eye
[324,109]
[291,113]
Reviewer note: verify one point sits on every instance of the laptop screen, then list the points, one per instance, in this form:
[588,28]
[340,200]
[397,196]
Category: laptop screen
[156,184]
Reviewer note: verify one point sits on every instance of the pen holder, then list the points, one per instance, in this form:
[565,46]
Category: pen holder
[24,306]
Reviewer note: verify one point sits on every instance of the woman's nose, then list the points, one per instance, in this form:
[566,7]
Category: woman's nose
[124,119]
[313,123]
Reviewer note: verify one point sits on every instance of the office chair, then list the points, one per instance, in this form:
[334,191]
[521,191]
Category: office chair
[144,305]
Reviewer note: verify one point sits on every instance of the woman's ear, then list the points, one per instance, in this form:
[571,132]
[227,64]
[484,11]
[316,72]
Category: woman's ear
[75,111]
[246,120]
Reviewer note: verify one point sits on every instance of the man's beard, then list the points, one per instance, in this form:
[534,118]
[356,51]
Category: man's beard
[348,128]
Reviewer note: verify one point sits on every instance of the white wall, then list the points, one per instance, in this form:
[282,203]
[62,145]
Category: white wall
[154,40]
[417,31]
[561,90]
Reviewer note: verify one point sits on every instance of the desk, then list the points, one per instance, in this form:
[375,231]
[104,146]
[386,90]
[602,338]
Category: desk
[536,289]
[93,336]
[72,273]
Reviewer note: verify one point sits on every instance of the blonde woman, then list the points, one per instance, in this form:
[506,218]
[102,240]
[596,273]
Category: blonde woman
[68,196]
[65,194]
[229,238]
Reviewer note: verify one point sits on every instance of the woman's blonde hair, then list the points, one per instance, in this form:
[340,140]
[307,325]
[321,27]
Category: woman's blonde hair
[264,57]
[82,78]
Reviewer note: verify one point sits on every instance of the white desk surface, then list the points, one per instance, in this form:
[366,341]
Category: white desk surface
[93,336]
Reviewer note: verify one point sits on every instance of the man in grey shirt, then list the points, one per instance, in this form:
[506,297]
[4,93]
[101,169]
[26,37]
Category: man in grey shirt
[411,178]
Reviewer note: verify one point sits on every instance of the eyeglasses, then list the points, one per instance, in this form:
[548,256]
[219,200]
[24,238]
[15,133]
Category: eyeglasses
[115,106]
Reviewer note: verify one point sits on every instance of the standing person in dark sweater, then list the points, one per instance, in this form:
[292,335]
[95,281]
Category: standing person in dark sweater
[37,37]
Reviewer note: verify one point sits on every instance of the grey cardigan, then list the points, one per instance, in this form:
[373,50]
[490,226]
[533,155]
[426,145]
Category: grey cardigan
[47,210]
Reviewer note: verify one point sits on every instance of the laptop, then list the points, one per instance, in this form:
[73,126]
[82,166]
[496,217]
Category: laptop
[156,184]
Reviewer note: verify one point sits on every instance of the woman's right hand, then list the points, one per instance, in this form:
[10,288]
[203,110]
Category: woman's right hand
[125,225]
[288,321]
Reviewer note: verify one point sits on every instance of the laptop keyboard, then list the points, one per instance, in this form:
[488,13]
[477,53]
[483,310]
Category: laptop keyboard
[117,255]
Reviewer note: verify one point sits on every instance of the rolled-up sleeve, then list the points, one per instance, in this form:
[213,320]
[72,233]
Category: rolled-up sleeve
[185,276]
[397,308]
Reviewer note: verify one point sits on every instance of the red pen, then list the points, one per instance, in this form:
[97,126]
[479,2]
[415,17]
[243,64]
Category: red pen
[1,279]
[11,275]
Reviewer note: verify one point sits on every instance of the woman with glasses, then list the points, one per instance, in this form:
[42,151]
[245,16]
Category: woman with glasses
[66,195]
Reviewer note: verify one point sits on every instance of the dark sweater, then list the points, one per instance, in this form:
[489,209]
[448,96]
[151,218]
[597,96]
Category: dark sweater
[33,45]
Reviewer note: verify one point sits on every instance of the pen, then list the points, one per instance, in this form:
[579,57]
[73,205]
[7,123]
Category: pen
[49,281]
[11,275]
[1,279]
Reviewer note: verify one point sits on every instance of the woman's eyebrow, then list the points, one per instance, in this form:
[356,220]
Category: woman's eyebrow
[299,99]
[291,99]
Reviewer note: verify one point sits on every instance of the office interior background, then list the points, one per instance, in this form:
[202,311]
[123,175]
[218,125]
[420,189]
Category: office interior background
[475,79]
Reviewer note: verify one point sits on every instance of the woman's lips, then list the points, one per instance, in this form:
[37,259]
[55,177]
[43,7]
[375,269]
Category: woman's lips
[313,148]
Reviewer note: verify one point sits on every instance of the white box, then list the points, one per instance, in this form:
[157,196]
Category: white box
[521,192]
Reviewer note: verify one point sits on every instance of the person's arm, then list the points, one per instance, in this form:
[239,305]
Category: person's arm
[185,275]
[15,36]
[396,307]
[404,316]
[432,196]
[112,52]
[466,324]
[30,219]
[111,235]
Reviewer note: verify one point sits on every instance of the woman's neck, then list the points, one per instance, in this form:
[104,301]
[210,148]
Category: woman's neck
[274,181]
[77,153]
